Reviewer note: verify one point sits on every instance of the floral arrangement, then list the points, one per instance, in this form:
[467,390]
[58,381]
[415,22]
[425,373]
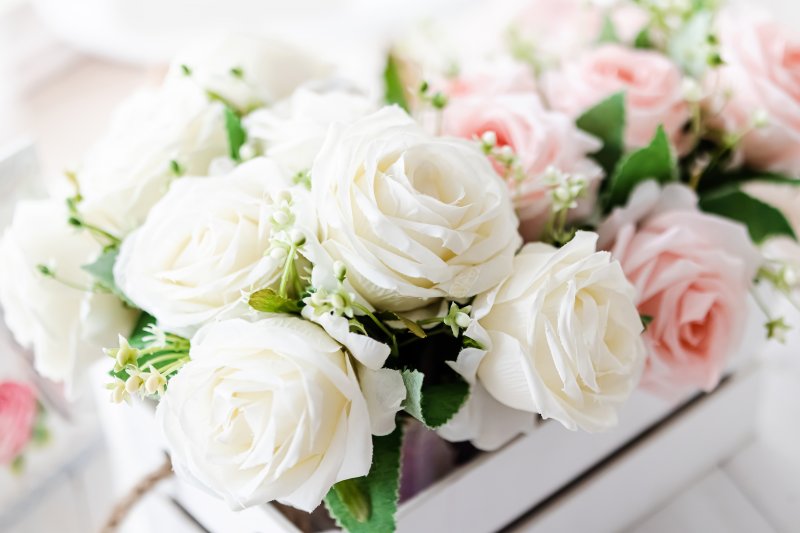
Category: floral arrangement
[292,270]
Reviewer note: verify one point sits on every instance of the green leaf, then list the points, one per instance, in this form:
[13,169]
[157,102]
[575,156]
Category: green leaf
[102,270]
[606,121]
[379,489]
[727,179]
[136,338]
[608,33]
[394,93]
[655,161]
[353,495]
[237,135]
[433,405]
[268,301]
[762,220]
[643,39]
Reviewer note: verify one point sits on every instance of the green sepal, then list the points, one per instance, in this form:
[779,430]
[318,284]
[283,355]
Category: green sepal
[370,502]
[268,301]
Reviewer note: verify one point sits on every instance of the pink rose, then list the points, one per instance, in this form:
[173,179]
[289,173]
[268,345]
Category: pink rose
[692,272]
[497,77]
[17,415]
[761,75]
[651,82]
[542,140]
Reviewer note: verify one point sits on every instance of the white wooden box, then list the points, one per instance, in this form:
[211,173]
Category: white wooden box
[557,480]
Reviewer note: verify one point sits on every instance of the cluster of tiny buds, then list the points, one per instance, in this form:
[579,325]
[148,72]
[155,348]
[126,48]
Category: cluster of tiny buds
[148,383]
[503,155]
[284,234]
[340,301]
[565,188]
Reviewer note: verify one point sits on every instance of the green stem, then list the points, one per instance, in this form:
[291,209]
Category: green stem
[380,325]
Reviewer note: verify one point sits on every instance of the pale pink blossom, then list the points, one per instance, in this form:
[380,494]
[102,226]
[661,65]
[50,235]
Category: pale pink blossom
[540,139]
[759,82]
[651,82]
[692,272]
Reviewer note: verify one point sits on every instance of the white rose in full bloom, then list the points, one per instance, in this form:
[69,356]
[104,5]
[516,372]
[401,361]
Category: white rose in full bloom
[414,217]
[66,327]
[249,71]
[562,335]
[204,244]
[292,132]
[131,167]
[267,410]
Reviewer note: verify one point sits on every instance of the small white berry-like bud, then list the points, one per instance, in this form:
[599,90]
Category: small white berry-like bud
[278,253]
[247,151]
[691,90]
[789,276]
[463,320]
[489,138]
[337,301]
[284,197]
[280,217]
[297,236]
[761,118]
[155,382]
[134,383]
[506,152]
[118,392]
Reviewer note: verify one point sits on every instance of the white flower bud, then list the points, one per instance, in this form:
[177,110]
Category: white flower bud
[489,138]
[278,253]
[339,270]
[134,383]
[247,151]
[761,119]
[463,320]
[297,236]
[281,218]
[691,90]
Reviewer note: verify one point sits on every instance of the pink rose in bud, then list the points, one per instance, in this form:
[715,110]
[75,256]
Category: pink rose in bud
[559,29]
[757,90]
[541,140]
[652,84]
[692,272]
[17,415]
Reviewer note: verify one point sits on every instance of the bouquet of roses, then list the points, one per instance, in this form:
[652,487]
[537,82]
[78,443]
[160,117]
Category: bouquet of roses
[296,270]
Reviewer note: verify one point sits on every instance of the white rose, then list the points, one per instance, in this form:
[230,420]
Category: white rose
[66,327]
[414,217]
[482,420]
[264,411]
[204,244]
[292,132]
[131,168]
[248,71]
[564,335]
